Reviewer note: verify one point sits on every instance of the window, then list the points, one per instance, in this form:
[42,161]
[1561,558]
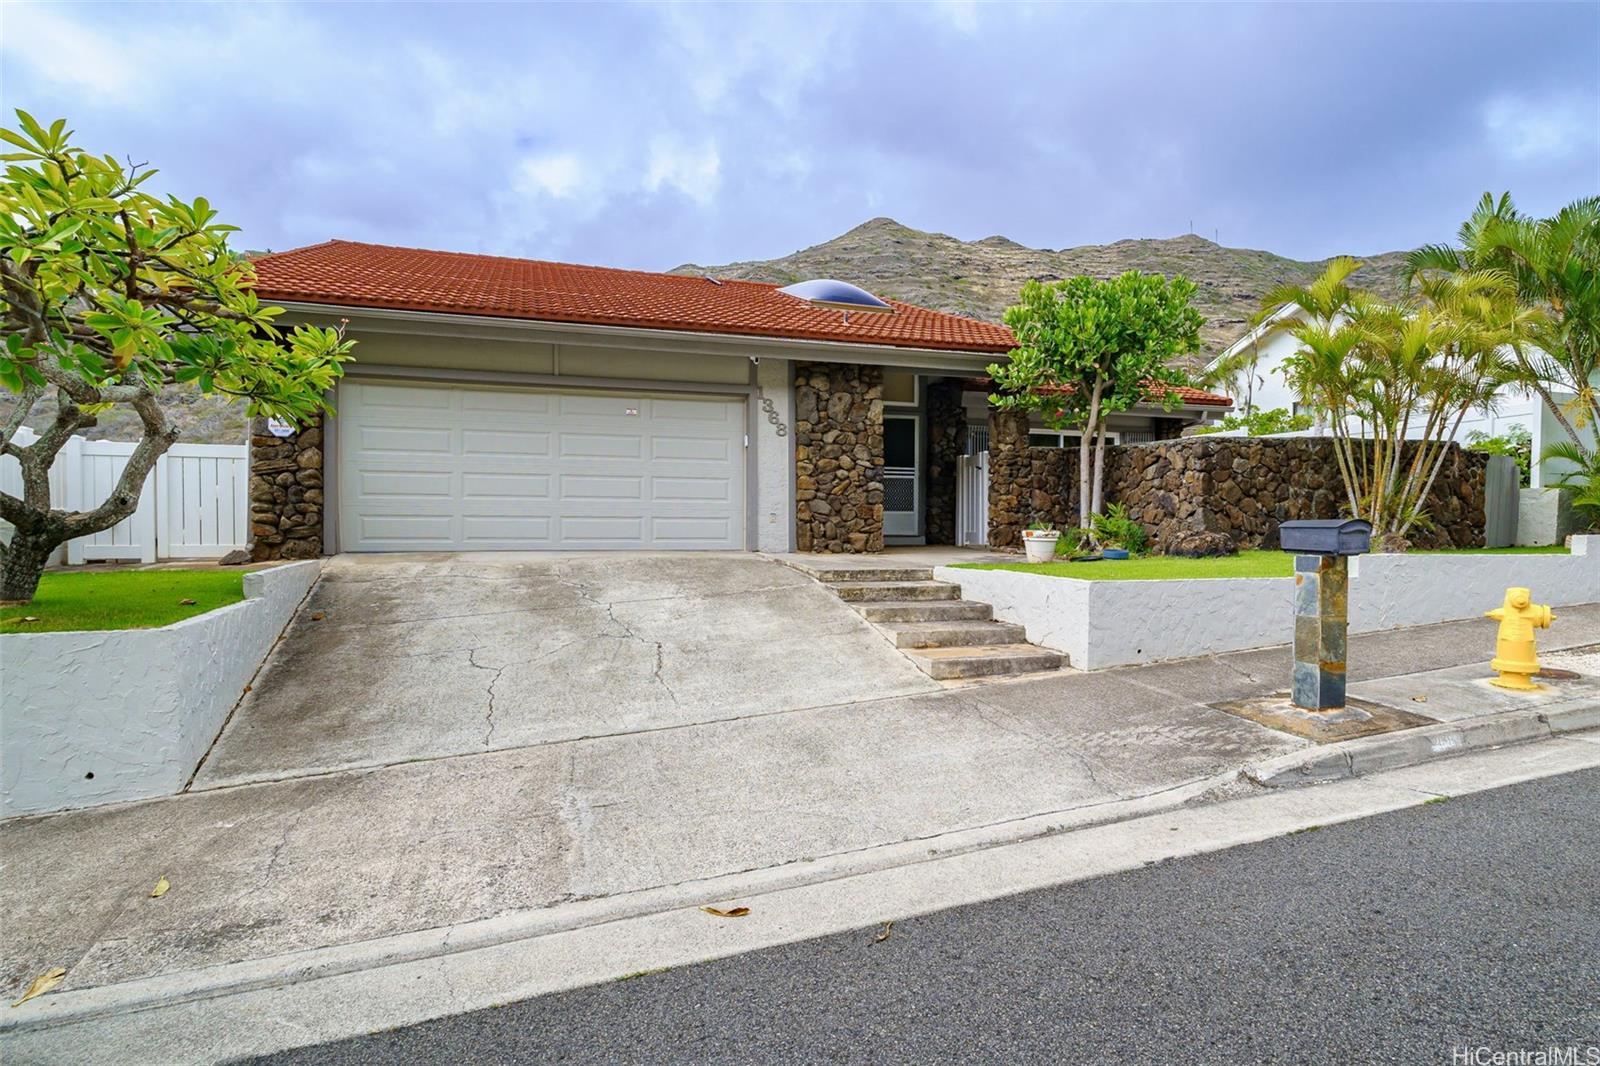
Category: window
[900,388]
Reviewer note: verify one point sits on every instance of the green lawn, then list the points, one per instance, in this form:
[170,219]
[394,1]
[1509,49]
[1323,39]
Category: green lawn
[122,599]
[1166,567]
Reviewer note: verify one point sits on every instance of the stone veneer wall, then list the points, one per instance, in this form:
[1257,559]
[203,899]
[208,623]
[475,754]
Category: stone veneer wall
[285,493]
[1016,488]
[1242,486]
[838,450]
[947,438]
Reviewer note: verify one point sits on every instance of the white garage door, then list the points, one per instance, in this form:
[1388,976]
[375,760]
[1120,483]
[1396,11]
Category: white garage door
[436,468]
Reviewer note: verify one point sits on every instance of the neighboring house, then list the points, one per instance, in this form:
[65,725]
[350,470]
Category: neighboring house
[1268,388]
[513,404]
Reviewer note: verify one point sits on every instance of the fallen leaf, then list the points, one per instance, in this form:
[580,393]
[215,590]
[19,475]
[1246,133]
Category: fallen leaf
[186,603]
[42,984]
[1419,699]
[161,888]
[732,912]
[883,934]
[316,616]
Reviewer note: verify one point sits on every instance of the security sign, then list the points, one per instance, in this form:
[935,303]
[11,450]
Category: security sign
[280,428]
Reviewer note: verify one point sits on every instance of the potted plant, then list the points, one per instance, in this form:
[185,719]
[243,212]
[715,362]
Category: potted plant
[1039,540]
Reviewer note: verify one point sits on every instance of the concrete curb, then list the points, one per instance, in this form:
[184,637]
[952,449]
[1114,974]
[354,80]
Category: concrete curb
[1391,751]
[1312,765]
[76,1005]
[230,1028]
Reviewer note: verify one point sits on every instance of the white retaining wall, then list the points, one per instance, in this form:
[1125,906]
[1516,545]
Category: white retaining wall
[1117,623]
[100,717]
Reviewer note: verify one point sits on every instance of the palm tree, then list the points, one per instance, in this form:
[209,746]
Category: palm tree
[1383,371]
[1554,265]
[1582,479]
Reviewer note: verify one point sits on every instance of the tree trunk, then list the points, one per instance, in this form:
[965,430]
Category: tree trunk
[1085,473]
[23,565]
[1099,469]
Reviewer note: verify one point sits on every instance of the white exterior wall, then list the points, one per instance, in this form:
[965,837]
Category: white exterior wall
[101,717]
[773,442]
[1117,623]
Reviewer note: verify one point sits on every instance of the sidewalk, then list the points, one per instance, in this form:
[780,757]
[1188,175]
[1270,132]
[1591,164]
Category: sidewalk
[691,812]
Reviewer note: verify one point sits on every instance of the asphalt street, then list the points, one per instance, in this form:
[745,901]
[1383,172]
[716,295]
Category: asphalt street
[1468,923]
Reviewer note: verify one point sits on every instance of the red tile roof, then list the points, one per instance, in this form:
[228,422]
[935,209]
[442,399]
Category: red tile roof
[353,274]
[1186,394]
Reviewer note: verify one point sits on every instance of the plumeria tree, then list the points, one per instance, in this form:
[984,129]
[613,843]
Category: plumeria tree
[1088,348]
[110,293]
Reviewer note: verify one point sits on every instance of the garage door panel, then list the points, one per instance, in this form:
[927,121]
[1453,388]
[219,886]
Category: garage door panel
[601,446]
[521,444]
[601,530]
[514,405]
[404,397]
[663,411]
[406,483]
[619,488]
[408,527]
[430,467]
[480,530]
[690,532]
[495,486]
[591,405]
[691,449]
[407,440]
[690,488]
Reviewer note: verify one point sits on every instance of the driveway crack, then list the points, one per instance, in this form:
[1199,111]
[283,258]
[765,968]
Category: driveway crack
[472,659]
[611,615]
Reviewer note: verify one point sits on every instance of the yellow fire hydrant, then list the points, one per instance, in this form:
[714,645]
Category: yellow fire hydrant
[1515,657]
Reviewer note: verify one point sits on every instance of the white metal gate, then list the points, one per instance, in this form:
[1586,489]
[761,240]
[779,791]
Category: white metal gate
[972,499]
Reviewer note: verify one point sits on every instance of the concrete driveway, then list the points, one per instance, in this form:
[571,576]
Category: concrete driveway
[397,658]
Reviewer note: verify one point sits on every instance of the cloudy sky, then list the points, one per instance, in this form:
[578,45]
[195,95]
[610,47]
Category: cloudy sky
[650,135]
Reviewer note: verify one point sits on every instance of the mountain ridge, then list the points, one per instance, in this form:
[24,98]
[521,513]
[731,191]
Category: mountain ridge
[981,278]
[978,278]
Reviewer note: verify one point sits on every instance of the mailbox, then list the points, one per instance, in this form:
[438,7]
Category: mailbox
[1326,536]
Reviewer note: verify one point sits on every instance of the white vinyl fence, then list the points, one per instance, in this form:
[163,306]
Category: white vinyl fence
[972,499]
[194,504]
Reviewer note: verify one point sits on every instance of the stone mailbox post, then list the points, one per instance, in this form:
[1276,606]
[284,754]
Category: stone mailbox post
[1322,549]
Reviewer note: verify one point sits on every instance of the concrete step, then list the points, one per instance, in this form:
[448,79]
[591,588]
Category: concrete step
[830,574]
[878,591]
[924,611]
[955,634]
[993,660]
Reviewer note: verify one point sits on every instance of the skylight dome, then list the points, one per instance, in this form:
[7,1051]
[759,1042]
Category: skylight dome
[826,292]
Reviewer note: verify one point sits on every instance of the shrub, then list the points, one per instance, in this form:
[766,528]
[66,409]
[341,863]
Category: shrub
[1516,442]
[1114,528]
[1261,423]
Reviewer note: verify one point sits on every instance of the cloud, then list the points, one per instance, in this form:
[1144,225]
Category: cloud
[1523,129]
[694,171]
[555,175]
[649,135]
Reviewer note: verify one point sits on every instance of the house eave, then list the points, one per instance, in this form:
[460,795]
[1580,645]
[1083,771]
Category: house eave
[739,345]
[1256,334]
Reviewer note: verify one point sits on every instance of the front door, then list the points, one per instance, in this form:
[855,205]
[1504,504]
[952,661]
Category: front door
[902,477]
